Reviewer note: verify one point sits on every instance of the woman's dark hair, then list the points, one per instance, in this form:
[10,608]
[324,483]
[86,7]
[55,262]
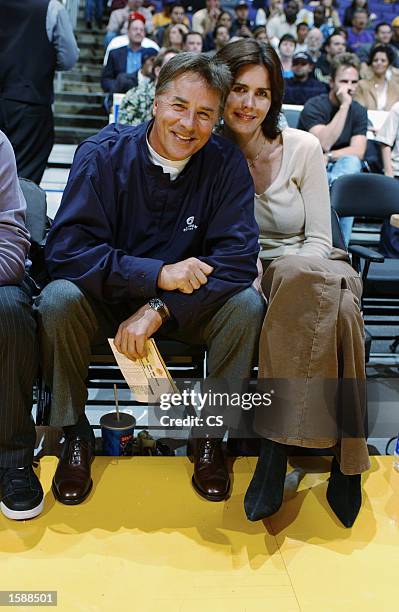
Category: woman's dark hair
[365,6]
[221,15]
[381,49]
[248,52]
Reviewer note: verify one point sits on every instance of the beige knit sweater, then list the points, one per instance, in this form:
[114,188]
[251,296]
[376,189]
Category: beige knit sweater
[293,213]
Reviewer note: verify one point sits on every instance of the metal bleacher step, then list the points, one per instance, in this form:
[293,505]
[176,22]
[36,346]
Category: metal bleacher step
[81,98]
[84,121]
[79,108]
[89,54]
[89,36]
[73,135]
[61,155]
[78,86]
[84,76]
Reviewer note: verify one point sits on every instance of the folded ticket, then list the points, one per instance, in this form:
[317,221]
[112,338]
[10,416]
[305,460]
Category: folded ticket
[148,378]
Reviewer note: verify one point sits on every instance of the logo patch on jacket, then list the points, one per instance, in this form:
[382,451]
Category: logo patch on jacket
[190,224]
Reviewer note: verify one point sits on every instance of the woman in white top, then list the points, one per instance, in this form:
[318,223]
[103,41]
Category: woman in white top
[312,344]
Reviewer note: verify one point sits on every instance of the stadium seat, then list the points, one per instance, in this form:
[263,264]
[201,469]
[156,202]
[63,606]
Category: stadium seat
[372,196]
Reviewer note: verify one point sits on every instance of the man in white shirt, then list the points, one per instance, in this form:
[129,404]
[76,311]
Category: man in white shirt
[118,21]
[283,24]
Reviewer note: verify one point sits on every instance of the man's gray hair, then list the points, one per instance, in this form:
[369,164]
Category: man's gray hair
[216,74]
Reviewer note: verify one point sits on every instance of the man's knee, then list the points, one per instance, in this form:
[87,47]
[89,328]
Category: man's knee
[59,304]
[350,164]
[247,306]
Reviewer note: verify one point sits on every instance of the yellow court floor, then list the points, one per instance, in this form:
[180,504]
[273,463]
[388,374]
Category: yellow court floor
[145,541]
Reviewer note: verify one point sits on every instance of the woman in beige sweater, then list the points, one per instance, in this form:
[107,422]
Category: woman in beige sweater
[378,92]
[312,344]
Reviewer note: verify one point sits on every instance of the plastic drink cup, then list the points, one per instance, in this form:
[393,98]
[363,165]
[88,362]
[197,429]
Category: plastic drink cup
[117,434]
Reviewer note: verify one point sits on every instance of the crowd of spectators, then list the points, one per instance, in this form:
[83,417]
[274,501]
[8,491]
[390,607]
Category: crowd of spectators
[139,39]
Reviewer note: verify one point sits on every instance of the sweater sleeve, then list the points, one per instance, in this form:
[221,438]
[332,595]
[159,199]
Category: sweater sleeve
[80,244]
[14,237]
[231,246]
[316,198]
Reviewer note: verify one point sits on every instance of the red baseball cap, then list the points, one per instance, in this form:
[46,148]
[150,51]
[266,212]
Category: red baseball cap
[135,15]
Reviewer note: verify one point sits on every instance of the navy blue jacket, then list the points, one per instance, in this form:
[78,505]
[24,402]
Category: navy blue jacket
[115,65]
[121,219]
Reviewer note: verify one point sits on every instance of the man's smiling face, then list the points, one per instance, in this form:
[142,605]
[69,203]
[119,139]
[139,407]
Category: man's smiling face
[185,114]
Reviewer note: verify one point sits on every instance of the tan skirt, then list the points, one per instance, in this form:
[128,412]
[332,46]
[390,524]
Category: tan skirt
[311,357]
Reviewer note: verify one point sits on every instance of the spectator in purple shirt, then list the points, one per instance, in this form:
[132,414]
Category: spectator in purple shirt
[358,35]
[20,491]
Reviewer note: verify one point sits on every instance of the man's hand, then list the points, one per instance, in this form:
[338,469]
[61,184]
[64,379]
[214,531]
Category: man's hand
[245,31]
[343,95]
[132,333]
[186,276]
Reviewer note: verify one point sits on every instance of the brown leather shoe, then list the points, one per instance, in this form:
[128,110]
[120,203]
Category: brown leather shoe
[211,478]
[72,481]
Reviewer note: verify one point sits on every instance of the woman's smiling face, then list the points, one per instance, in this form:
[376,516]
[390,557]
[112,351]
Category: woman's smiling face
[249,100]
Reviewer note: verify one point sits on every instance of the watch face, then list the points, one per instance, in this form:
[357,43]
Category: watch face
[159,306]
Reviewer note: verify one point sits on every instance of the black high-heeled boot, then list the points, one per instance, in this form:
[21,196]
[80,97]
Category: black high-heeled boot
[265,492]
[344,494]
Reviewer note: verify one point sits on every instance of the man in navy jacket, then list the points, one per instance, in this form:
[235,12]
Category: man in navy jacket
[155,233]
[125,60]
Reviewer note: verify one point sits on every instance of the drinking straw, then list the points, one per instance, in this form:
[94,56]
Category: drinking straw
[118,418]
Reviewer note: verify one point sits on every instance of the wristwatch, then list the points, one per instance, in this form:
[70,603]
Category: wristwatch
[160,307]
[330,157]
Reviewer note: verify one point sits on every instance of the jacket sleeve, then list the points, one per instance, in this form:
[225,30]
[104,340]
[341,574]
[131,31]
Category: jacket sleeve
[80,244]
[14,237]
[109,74]
[61,35]
[230,245]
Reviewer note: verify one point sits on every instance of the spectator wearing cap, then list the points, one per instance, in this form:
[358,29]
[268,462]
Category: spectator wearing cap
[205,19]
[395,33]
[119,20]
[127,59]
[279,25]
[194,42]
[302,30]
[126,81]
[136,105]
[242,25]
[302,86]
[286,50]
[334,45]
